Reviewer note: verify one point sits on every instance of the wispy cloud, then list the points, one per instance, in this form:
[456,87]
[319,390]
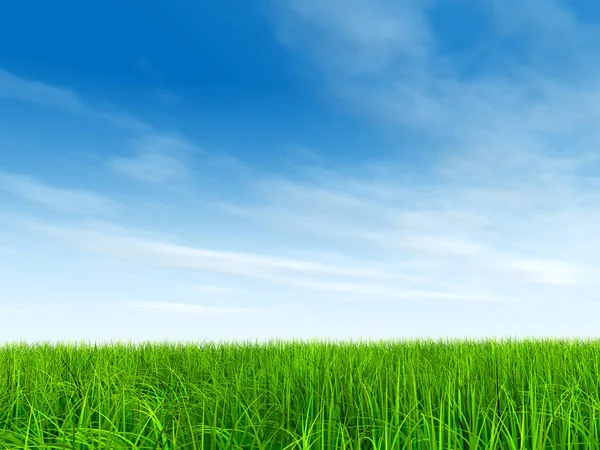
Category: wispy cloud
[187,308]
[357,36]
[216,289]
[66,200]
[48,96]
[447,233]
[10,251]
[16,311]
[556,20]
[143,65]
[417,85]
[479,274]
[42,94]
[163,253]
[157,159]
[363,281]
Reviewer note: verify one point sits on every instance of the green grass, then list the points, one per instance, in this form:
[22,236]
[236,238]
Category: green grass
[423,394]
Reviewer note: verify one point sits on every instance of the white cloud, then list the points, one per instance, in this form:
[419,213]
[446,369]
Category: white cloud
[412,83]
[42,94]
[362,281]
[68,200]
[162,253]
[158,159]
[370,292]
[176,307]
[10,251]
[215,289]
[23,89]
[16,311]
[541,20]
[354,36]
[143,65]
[556,273]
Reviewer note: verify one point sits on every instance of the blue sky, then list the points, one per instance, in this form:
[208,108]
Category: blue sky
[299,169]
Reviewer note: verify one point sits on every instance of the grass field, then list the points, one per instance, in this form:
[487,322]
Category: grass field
[420,394]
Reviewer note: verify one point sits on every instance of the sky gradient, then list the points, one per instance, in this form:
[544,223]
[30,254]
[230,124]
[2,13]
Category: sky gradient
[299,169]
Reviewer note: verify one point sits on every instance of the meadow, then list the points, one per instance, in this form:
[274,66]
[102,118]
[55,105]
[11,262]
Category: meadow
[420,394]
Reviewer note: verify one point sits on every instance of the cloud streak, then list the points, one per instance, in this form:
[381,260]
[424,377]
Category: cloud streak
[158,159]
[363,282]
[186,308]
[53,97]
[66,200]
